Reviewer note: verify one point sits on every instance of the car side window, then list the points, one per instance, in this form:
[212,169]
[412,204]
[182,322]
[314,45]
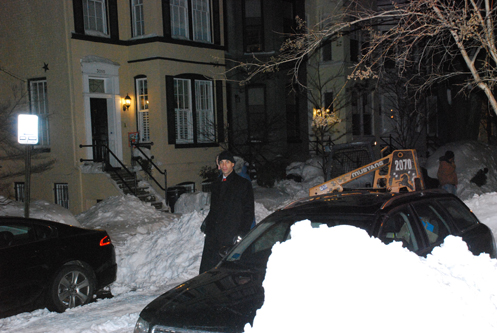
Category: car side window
[461,215]
[15,234]
[275,234]
[398,227]
[434,224]
[42,231]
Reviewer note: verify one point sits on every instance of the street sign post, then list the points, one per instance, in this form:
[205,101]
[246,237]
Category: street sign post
[27,134]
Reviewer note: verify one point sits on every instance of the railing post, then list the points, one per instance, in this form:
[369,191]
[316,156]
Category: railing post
[165,186]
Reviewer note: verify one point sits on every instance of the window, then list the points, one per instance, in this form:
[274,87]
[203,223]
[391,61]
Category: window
[201,21]
[292,115]
[288,14]
[61,193]
[193,103]
[326,51]
[19,190]
[138,20]
[96,85]
[433,222]
[328,101]
[204,111]
[354,50]
[39,106]
[461,215]
[256,106]
[362,115]
[142,109]
[358,46]
[95,16]
[398,227]
[389,113]
[179,18]
[198,14]
[253,27]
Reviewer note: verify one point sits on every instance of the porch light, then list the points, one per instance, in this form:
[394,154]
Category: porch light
[126,102]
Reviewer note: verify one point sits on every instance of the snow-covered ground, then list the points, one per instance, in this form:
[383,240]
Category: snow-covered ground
[371,286]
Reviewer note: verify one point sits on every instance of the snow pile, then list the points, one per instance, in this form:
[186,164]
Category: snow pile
[153,248]
[470,156]
[38,209]
[366,282]
[374,287]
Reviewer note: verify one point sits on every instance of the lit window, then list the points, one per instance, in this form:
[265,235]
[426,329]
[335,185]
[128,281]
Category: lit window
[142,108]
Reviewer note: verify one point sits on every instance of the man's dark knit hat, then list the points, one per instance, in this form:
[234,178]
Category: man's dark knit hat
[226,155]
[449,154]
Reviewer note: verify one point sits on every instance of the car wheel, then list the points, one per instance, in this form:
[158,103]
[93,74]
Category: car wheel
[72,286]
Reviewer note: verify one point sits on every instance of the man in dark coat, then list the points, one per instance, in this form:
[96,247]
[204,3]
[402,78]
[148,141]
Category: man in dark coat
[231,212]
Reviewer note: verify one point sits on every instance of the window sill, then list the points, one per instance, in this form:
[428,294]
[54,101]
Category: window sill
[195,145]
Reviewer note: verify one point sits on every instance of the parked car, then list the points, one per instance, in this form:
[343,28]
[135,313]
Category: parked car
[227,297]
[50,264]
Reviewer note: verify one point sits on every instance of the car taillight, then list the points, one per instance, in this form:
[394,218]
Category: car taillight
[105,241]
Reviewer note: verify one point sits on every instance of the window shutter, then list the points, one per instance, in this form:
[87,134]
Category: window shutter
[171,132]
[216,26]
[79,23]
[220,111]
[166,18]
[113,20]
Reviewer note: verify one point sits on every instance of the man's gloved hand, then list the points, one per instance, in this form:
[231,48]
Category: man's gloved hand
[202,227]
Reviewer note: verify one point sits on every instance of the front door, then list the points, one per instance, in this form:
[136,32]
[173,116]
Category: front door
[99,130]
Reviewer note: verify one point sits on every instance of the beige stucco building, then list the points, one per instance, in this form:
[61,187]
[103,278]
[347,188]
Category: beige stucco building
[73,62]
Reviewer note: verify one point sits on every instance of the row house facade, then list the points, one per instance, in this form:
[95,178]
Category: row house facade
[268,116]
[374,112]
[76,63]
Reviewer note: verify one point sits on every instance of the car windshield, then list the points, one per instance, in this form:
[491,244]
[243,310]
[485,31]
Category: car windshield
[254,249]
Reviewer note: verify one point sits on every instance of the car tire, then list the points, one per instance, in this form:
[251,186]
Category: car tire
[72,286]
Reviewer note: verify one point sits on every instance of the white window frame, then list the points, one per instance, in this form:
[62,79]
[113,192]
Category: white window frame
[201,17]
[142,109]
[95,17]
[205,111]
[138,18]
[39,106]
[203,108]
[179,19]
[61,194]
[183,111]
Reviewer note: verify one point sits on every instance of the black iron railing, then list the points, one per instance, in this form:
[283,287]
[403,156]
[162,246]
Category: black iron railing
[145,162]
[109,168]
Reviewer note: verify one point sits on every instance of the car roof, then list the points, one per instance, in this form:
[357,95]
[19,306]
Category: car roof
[360,202]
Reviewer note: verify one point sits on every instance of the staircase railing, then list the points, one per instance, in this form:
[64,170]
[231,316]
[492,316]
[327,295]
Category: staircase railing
[139,160]
[108,167]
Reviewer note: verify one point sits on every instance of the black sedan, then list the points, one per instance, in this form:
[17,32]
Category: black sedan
[227,297]
[50,264]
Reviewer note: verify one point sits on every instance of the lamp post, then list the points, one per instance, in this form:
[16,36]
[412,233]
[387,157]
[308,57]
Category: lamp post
[27,134]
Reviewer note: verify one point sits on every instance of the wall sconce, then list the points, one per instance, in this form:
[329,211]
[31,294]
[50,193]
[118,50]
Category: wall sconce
[126,102]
